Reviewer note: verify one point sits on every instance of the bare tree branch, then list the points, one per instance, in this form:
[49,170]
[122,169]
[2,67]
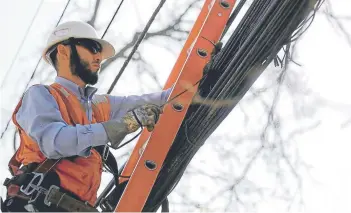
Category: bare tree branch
[335,21]
[239,179]
[166,31]
[93,17]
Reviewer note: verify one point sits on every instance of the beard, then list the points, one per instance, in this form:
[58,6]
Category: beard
[81,69]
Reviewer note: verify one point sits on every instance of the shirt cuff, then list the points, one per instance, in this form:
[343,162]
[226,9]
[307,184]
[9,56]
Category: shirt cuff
[92,135]
[99,136]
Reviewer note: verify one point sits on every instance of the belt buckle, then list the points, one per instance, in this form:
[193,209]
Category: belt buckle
[32,186]
[52,190]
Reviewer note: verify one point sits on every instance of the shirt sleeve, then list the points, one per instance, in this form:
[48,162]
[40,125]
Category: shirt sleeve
[40,118]
[120,105]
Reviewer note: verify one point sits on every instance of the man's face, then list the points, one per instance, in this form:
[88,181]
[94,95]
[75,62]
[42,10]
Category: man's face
[89,63]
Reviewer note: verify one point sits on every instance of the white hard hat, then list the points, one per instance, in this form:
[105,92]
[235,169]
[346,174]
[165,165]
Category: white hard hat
[77,29]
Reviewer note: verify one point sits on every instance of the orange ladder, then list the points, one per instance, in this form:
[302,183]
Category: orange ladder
[151,149]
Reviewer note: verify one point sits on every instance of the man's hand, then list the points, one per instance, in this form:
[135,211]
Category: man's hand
[146,115]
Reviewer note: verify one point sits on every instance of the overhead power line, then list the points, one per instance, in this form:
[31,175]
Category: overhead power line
[21,45]
[36,67]
[140,39]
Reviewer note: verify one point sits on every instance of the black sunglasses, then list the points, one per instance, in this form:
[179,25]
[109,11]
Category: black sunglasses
[93,46]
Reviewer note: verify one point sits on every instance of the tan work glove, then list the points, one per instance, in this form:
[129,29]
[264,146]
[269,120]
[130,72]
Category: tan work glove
[146,116]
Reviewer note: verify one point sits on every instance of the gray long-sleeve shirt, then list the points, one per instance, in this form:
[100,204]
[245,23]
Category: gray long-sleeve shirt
[41,119]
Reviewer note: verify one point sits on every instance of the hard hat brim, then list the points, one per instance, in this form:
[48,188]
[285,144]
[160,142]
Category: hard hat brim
[108,50]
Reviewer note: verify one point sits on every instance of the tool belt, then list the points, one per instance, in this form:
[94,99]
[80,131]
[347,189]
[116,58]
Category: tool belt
[27,184]
[52,196]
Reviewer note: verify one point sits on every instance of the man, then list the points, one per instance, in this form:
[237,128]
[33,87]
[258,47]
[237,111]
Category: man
[62,125]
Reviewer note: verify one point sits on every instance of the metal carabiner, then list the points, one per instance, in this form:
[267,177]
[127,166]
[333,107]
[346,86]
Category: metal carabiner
[34,196]
[31,187]
[105,153]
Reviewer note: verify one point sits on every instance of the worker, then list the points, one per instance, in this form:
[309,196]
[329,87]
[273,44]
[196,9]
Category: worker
[62,125]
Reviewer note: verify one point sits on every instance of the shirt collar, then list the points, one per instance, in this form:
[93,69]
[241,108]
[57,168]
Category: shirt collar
[80,92]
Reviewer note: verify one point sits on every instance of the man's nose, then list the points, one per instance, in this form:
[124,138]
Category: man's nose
[98,57]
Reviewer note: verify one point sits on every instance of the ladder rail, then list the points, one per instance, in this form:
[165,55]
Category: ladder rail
[190,68]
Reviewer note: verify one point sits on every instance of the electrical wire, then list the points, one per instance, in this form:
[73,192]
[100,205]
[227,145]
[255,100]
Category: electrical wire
[265,28]
[21,45]
[135,47]
[37,65]
[35,69]
[113,18]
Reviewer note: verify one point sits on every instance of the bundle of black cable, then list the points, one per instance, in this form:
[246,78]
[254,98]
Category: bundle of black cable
[267,26]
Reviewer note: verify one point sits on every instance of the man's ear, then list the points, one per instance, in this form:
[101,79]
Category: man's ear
[63,51]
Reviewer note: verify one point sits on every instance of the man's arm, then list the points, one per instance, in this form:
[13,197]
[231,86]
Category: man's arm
[120,105]
[41,119]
